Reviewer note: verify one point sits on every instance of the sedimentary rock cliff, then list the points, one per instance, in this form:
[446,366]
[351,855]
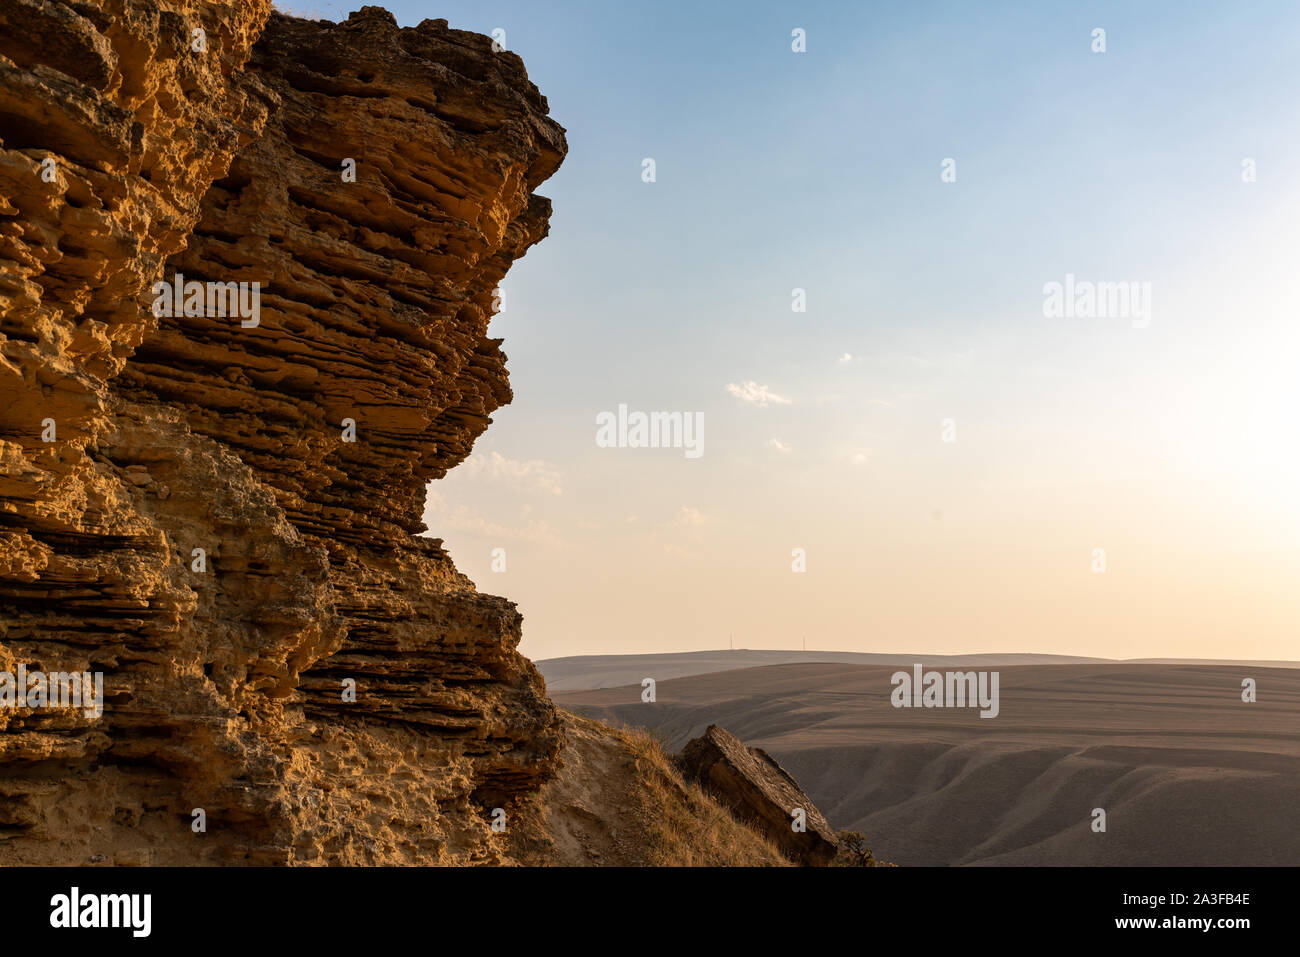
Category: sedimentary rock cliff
[221,512]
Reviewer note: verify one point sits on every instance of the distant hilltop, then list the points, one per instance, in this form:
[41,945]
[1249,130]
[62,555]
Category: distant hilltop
[591,672]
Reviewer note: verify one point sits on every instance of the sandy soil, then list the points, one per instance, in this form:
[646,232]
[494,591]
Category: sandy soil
[617,801]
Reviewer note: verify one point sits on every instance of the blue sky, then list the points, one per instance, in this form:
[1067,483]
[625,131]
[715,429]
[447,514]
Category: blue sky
[1167,445]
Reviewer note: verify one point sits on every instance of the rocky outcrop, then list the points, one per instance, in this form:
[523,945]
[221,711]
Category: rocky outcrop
[221,513]
[759,792]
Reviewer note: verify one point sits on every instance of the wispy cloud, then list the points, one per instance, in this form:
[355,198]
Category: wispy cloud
[779,446]
[519,473]
[755,394]
[442,518]
[690,516]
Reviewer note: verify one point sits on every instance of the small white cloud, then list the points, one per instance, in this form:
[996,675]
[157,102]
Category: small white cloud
[525,473]
[858,458]
[756,394]
[779,446]
[846,358]
[440,518]
[690,516]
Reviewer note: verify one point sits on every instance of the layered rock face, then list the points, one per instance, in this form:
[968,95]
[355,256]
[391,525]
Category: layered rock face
[221,512]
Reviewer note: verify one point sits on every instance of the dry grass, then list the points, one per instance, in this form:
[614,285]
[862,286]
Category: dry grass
[685,827]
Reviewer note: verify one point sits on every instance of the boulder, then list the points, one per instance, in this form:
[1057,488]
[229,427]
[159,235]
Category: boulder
[754,787]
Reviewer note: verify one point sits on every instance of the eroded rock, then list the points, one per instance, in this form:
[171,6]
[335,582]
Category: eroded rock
[127,156]
[758,791]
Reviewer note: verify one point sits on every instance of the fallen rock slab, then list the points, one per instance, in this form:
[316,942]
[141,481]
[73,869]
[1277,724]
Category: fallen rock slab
[760,792]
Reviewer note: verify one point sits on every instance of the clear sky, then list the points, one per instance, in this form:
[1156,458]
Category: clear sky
[1170,439]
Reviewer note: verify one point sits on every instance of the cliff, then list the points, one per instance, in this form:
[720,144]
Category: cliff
[129,440]
[247,266]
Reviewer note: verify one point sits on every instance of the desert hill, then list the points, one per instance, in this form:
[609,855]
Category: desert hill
[1187,772]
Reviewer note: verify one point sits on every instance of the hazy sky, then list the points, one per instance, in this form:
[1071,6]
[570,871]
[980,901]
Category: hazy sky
[1169,436]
